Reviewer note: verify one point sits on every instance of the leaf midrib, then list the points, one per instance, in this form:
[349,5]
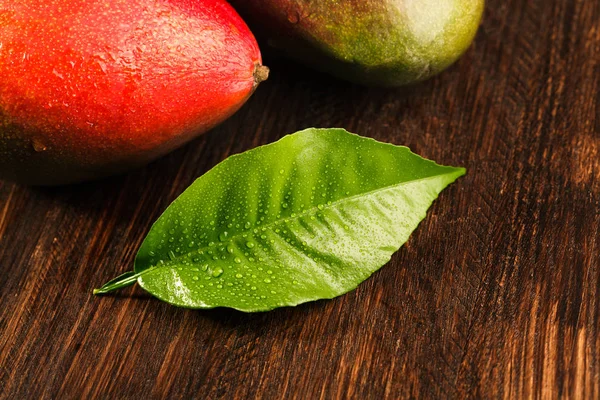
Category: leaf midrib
[298,216]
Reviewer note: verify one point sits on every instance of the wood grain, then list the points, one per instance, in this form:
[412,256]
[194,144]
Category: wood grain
[496,295]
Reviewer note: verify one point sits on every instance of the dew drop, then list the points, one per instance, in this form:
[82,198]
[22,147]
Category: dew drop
[239,276]
[293,17]
[223,236]
[38,145]
[250,245]
[217,272]
[267,280]
[195,278]
[237,260]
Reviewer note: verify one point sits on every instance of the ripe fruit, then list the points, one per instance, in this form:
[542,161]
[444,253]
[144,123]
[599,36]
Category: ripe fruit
[91,88]
[373,42]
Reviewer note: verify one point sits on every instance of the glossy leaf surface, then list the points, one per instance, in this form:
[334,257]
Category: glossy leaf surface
[308,217]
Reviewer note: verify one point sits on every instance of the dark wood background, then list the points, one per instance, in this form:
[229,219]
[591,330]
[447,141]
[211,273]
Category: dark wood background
[496,295]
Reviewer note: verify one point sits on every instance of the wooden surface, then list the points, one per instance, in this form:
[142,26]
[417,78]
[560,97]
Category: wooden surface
[496,295]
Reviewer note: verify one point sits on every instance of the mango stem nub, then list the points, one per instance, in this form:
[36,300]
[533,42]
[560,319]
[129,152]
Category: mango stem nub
[261,74]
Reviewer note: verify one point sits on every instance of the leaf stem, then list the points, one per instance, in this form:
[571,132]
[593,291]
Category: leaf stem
[127,279]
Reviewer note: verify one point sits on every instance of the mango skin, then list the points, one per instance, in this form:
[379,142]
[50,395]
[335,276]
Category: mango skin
[371,42]
[93,88]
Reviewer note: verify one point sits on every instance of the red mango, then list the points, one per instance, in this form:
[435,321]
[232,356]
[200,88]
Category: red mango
[93,88]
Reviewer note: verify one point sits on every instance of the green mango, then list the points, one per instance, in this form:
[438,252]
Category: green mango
[372,42]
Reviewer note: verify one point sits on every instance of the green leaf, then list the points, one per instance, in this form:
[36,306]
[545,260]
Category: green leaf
[308,217]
